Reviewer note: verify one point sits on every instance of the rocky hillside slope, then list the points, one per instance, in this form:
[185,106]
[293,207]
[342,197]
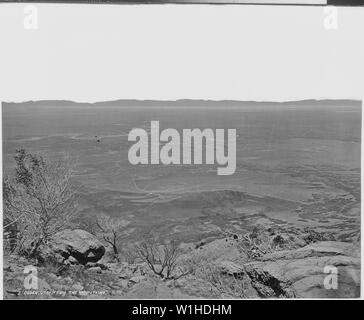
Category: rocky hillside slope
[267,264]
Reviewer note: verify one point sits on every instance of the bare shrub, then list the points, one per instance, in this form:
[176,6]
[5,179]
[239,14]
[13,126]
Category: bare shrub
[261,240]
[161,259]
[111,230]
[39,200]
[256,244]
[225,284]
[314,236]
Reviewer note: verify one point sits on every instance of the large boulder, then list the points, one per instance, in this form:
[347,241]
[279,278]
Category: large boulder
[74,244]
[301,273]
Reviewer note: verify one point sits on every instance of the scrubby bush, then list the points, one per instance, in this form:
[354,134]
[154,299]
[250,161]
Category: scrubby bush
[260,240]
[110,230]
[314,236]
[38,199]
[228,285]
[161,259]
[278,241]
[256,243]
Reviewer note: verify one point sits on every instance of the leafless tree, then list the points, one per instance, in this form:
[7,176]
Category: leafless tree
[39,200]
[161,259]
[111,230]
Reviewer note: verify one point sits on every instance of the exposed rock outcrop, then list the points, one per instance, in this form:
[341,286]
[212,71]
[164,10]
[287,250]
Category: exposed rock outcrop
[74,245]
[220,269]
[220,249]
[302,272]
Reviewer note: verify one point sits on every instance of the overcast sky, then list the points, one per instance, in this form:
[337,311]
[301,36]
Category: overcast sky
[95,53]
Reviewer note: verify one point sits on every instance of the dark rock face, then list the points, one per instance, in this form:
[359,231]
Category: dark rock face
[301,273]
[73,244]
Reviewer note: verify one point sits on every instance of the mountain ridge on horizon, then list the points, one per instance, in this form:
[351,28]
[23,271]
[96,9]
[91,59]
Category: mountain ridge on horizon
[188,102]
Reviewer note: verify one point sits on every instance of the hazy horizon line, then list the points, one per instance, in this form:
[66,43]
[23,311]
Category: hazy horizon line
[183,102]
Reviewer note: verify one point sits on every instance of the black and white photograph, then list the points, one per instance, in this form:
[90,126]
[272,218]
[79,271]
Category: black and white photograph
[181,152]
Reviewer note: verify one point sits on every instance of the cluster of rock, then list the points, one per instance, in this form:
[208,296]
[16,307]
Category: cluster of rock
[321,269]
[72,247]
[308,272]
[299,270]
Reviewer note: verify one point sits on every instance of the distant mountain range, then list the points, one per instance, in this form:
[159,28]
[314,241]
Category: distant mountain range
[189,103]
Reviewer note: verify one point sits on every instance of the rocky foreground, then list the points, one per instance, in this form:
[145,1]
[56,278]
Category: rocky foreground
[294,264]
